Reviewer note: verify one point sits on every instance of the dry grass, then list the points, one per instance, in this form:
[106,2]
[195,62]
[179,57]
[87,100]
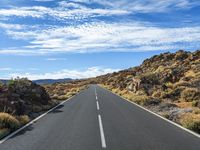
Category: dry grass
[4,132]
[190,73]
[191,121]
[8,121]
[184,104]
[139,99]
[190,94]
[66,93]
[23,119]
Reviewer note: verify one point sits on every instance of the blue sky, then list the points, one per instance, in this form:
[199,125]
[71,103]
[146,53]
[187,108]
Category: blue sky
[86,38]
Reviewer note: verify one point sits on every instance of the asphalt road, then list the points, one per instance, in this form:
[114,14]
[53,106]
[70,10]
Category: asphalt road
[96,119]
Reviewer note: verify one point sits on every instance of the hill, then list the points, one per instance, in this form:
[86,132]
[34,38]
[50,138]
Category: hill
[22,100]
[51,81]
[44,81]
[168,84]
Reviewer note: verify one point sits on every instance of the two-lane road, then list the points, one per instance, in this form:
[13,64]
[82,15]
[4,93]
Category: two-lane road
[96,119]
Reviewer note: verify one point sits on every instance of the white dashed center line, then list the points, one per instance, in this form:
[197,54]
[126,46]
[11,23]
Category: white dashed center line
[103,141]
[97,105]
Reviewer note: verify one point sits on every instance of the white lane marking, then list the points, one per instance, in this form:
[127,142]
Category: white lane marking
[33,121]
[169,121]
[95,91]
[97,105]
[103,141]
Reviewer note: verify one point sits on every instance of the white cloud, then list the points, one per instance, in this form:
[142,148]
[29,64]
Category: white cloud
[11,26]
[144,6]
[55,59]
[74,74]
[77,11]
[5,69]
[97,37]
[65,10]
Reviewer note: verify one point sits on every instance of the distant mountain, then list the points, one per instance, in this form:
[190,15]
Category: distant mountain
[4,81]
[45,81]
[51,81]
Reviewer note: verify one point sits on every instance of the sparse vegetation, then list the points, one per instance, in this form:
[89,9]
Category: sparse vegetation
[23,119]
[190,94]
[8,121]
[168,84]
[191,121]
[21,98]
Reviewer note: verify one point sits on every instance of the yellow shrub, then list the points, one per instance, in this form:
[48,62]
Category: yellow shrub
[8,121]
[4,132]
[139,99]
[190,94]
[191,121]
[23,119]
[190,73]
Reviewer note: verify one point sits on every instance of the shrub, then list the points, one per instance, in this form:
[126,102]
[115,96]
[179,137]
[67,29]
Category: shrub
[194,103]
[8,121]
[191,121]
[190,94]
[1,84]
[139,99]
[4,132]
[11,83]
[115,90]
[23,119]
[169,85]
[157,94]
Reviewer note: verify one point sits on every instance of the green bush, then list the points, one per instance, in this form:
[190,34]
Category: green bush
[4,132]
[11,83]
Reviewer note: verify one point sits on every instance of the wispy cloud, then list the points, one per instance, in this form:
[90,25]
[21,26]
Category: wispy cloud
[144,6]
[55,59]
[78,11]
[97,37]
[65,10]
[5,69]
[74,74]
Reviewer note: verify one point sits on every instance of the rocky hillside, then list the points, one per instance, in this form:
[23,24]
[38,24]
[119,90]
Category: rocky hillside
[22,100]
[22,97]
[62,91]
[168,84]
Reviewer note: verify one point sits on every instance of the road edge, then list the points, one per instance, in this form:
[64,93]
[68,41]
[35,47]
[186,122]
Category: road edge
[169,121]
[36,119]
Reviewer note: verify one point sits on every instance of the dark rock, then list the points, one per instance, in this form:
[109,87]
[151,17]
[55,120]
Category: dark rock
[21,95]
[152,102]
[166,106]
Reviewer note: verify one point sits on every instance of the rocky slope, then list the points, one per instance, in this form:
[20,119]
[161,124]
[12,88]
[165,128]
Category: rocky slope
[22,97]
[168,84]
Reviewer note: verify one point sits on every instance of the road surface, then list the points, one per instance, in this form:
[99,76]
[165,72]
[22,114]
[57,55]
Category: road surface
[96,119]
